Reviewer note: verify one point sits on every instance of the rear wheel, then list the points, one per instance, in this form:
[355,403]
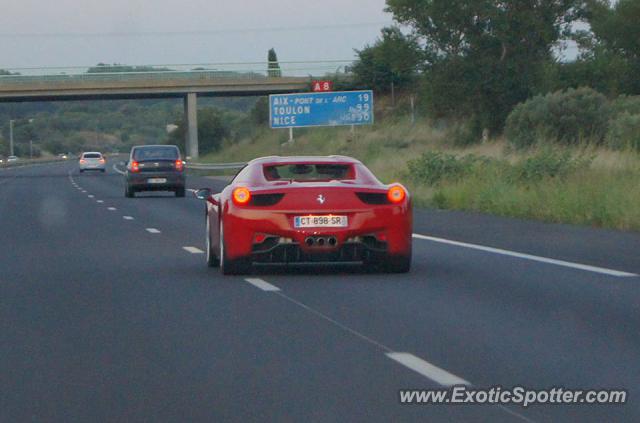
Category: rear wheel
[212,259]
[227,266]
[398,264]
[128,191]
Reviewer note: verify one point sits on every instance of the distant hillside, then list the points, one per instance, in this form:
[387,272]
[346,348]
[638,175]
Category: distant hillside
[74,126]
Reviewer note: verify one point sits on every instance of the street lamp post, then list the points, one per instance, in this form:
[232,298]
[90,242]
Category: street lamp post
[11,137]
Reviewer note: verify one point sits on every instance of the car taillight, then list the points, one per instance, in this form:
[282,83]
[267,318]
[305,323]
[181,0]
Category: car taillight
[396,194]
[102,161]
[179,165]
[241,195]
[82,160]
[135,166]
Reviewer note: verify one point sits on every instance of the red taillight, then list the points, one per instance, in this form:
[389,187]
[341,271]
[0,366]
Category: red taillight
[135,166]
[396,194]
[259,238]
[179,165]
[82,160]
[102,161]
[241,195]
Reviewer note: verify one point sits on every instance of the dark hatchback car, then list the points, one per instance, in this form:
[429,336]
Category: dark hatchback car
[155,168]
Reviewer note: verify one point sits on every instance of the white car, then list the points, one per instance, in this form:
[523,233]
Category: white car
[12,159]
[92,160]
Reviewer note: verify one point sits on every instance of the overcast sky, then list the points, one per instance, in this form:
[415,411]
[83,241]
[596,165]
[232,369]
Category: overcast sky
[36,33]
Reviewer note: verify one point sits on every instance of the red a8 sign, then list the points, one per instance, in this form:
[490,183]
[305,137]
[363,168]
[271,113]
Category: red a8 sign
[322,86]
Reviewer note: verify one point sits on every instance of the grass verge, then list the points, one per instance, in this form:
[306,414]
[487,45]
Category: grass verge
[579,185]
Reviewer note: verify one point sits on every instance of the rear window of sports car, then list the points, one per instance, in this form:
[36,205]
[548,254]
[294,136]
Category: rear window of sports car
[309,172]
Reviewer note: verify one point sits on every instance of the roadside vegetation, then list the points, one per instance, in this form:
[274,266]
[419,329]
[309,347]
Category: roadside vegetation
[578,179]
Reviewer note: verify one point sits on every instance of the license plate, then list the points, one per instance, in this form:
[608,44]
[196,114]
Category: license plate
[157,180]
[327,221]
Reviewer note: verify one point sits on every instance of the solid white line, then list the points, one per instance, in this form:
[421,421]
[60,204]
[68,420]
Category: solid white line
[153,231]
[127,217]
[427,369]
[263,285]
[193,250]
[118,170]
[111,208]
[585,267]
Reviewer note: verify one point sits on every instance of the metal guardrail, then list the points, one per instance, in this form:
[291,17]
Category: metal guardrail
[26,162]
[202,71]
[215,166]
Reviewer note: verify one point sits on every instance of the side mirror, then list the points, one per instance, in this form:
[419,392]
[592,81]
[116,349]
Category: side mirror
[202,194]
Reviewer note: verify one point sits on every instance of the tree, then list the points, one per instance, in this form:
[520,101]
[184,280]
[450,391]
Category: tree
[493,52]
[392,60]
[259,113]
[212,130]
[273,65]
[610,49]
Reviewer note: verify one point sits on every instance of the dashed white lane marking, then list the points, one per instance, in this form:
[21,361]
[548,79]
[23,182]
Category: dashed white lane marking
[111,208]
[99,201]
[414,363]
[193,250]
[153,231]
[127,217]
[263,285]
[83,191]
[118,170]
[90,196]
[427,369]
[585,267]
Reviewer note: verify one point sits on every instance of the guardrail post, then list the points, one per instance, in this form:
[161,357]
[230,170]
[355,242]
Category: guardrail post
[191,131]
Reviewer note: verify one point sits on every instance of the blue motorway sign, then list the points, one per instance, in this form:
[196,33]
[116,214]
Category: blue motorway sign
[321,109]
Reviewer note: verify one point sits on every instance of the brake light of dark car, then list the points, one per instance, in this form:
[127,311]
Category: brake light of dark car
[396,194]
[241,196]
[135,166]
[179,165]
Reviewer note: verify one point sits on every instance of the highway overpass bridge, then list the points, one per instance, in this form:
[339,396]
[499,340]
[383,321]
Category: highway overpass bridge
[186,84]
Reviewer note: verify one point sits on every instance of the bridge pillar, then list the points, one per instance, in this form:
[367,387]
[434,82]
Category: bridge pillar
[191,131]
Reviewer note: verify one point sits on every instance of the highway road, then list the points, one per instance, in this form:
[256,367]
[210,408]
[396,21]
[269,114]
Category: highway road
[109,313]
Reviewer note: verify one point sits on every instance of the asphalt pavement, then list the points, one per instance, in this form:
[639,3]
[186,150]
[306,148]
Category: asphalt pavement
[108,312]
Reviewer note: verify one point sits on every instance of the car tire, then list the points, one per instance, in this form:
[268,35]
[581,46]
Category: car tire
[128,191]
[230,267]
[212,259]
[81,170]
[398,264]
[103,170]
[180,192]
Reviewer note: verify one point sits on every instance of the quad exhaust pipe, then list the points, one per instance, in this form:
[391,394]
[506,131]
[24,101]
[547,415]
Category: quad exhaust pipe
[319,241]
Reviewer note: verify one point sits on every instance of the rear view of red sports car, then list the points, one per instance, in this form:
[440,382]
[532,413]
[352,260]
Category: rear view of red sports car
[308,210]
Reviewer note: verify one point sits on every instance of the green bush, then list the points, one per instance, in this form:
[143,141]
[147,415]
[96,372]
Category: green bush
[625,104]
[548,164]
[433,167]
[624,132]
[566,117]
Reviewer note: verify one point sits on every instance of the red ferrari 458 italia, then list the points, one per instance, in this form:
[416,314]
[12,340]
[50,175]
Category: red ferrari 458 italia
[307,210]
